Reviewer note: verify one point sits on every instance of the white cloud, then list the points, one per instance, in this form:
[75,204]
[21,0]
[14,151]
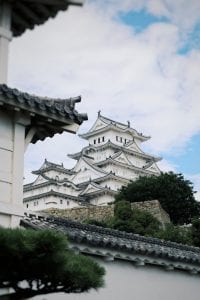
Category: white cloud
[139,77]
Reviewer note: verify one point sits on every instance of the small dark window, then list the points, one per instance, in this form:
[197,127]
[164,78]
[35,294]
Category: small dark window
[61,202]
[117,138]
[67,202]
[99,140]
[103,139]
[26,205]
[125,141]
[94,141]
[120,139]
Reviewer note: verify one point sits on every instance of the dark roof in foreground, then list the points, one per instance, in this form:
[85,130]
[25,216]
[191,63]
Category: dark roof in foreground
[48,115]
[28,13]
[114,244]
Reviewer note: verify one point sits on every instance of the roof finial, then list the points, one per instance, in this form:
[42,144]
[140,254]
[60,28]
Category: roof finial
[128,123]
[99,113]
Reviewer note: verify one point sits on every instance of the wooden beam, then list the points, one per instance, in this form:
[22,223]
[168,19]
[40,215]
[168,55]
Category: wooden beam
[21,21]
[27,12]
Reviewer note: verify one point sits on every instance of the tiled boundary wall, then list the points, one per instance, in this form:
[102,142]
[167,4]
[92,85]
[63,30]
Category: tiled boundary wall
[101,213]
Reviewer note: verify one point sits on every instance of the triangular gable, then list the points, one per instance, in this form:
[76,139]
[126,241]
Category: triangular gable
[40,179]
[83,164]
[121,157]
[98,125]
[133,147]
[85,172]
[91,188]
[153,168]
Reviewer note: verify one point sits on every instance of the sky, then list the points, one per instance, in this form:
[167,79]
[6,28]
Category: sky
[134,60]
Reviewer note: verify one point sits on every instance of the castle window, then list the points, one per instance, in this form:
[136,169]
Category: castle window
[61,201]
[67,202]
[99,140]
[57,178]
[26,205]
[125,141]
[94,141]
[120,139]
[117,138]
[103,139]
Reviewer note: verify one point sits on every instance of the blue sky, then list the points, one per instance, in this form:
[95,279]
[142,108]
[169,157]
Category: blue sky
[187,160]
[134,60]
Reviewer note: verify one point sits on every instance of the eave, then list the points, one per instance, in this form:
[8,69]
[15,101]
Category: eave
[117,245]
[26,14]
[55,194]
[108,127]
[47,116]
[108,144]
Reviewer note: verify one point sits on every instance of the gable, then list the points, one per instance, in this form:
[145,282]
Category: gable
[97,125]
[133,147]
[122,159]
[90,189]
[154,168]
[39,180]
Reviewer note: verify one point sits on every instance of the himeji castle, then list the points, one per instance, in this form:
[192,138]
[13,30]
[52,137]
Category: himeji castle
[112,158]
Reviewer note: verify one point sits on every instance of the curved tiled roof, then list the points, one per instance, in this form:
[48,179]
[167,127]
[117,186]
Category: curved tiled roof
[48,115]
[28,13]
[152,250]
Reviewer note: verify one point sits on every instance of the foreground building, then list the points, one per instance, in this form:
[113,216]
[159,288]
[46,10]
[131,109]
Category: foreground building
[25,119]
[112,158]
[137,267]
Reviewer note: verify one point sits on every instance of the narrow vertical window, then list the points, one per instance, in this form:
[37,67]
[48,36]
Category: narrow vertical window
[94,141]
[99,140]
[103,139]
[61,202]
[120,139]
[117,138]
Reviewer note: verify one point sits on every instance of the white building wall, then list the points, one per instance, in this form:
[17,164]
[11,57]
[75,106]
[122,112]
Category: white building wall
[12,144]
[125,281]
[50,202]
[113,184]
[101,200]
[112,135]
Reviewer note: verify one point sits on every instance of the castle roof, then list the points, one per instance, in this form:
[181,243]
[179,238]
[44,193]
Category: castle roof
[125,148]
[55,194]
[49,166]
[111,160]
[48,116]
[104,124]
[110,175]
[28,13]
[114,244]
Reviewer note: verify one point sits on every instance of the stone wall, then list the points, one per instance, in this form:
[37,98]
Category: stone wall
[101,213]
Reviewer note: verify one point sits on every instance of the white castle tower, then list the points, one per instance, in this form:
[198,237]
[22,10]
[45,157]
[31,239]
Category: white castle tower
[112,158]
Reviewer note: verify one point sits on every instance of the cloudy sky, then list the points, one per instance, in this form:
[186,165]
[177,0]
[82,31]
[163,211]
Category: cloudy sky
[134,60]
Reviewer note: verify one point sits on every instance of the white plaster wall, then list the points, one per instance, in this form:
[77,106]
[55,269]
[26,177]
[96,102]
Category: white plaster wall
[101,154]
[121,171]
[102,200]
[50,202]
[11,167]
[124,281]
[110,135]
[136,161]
[113,184]
[85,175]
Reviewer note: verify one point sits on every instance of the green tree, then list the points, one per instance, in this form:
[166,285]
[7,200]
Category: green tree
[175,234]
[39,262]
[174,193]
[195,229]
[133,220]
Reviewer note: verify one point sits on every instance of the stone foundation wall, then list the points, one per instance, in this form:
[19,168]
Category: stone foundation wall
[101,213]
